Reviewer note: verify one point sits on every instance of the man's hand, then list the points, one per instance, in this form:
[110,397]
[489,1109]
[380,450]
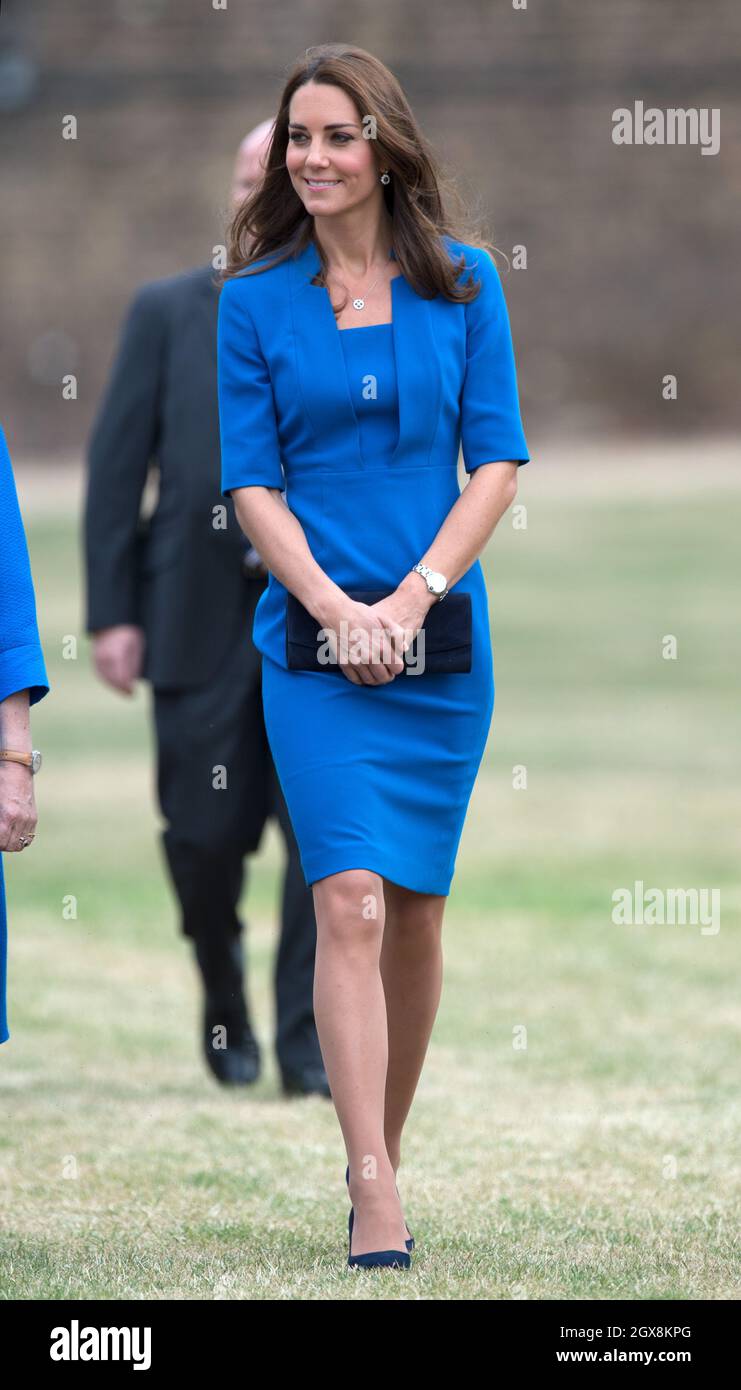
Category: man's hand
[118,654]
[254,563]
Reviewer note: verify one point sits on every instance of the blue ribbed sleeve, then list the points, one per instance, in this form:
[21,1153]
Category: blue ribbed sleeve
[21,658]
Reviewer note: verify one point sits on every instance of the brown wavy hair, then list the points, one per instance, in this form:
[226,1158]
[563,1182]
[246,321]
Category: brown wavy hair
[273,219]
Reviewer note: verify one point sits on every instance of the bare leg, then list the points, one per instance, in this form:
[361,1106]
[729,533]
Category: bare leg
[350,1013]
[412,972]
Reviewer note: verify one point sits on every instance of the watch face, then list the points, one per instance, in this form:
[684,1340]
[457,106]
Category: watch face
[436,581]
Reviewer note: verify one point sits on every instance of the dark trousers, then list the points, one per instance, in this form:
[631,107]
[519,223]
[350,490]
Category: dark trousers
[217,785]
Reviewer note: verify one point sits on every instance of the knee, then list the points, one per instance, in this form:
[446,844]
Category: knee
[349,907]
[417,923]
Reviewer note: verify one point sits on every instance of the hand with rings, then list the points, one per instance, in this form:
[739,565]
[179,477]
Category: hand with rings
[17,807]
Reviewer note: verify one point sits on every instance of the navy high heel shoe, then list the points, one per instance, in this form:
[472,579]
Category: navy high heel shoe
[376,1259]
[409,1243]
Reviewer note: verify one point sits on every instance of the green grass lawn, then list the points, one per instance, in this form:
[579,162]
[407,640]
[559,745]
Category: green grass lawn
[576,1129]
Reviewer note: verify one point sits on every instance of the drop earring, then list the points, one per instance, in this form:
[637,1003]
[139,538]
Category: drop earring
[385,176]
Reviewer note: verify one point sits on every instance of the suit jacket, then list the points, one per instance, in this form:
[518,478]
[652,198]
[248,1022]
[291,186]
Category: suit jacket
[288,422]
[174,573]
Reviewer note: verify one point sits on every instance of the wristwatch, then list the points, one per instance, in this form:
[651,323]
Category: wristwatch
[436,583]
[32,760]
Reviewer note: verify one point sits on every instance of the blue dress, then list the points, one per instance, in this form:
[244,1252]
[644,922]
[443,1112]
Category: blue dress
[21,658]
[361,429]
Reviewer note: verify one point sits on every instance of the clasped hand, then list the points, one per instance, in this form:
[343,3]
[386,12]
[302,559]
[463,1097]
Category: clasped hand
[368,640]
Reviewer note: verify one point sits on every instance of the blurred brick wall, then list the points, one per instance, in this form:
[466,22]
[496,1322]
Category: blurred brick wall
[632,250]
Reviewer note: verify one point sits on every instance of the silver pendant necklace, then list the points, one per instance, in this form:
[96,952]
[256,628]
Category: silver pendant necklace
[358,302]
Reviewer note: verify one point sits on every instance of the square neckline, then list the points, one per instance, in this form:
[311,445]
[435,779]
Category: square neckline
[359,327]
[389,322]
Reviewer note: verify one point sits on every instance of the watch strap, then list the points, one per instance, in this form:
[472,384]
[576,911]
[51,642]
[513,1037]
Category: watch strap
[11,755]
[424,570]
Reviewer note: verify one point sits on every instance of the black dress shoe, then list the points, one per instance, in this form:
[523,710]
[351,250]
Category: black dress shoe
[225,1017]
[307,1082]
[237,1064]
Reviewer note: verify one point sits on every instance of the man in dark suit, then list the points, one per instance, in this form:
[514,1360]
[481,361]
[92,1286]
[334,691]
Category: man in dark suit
[171,598]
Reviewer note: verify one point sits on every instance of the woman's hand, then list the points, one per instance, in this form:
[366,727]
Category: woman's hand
[407,608]
[366,644]
[17,806]
[377,634]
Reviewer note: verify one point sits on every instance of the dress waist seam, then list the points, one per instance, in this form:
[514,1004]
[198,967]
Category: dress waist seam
[312,472]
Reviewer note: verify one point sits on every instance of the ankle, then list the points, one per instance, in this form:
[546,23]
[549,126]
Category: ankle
[394,1153]
[373,1191]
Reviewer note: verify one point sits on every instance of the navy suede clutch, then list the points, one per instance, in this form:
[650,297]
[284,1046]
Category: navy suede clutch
[445,648]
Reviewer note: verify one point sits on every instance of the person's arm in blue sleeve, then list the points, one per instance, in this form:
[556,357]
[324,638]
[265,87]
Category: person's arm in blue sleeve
[492,438]
[491,426]
[250,448]
[21,658]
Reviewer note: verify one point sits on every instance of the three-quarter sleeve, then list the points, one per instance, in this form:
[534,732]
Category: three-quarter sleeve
[250,447]
[21,657]
[491,427]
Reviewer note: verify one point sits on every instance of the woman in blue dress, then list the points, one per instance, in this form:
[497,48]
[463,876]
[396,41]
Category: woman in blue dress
[22,683]
[360,344]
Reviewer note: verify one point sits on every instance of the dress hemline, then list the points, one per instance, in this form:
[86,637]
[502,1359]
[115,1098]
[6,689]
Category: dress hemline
[318,867]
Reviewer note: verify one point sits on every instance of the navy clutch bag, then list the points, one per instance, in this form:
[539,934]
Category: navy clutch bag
[446,647]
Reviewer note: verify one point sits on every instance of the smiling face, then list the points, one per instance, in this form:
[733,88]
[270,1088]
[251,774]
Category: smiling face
[330,165]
